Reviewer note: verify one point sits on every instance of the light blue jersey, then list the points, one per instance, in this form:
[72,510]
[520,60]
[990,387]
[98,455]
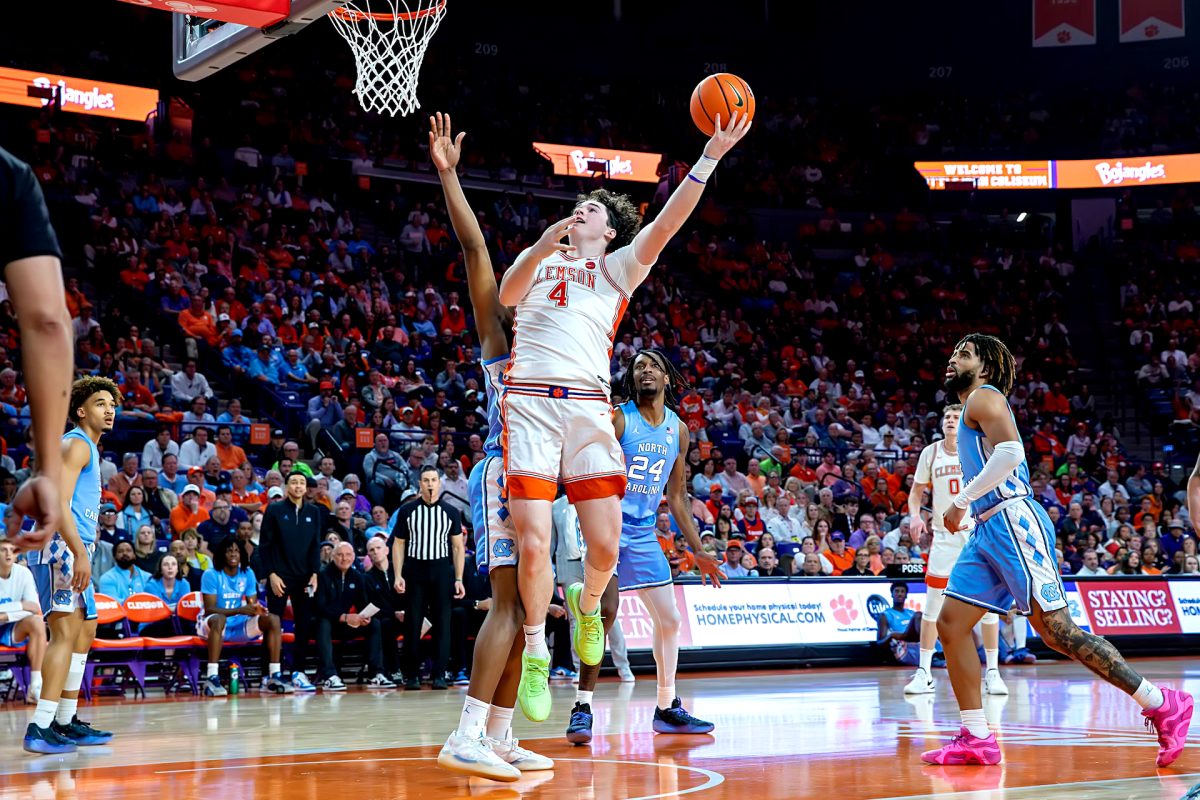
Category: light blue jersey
[650,455]
[973,453]
[85,503]
[230,591]
[493,373]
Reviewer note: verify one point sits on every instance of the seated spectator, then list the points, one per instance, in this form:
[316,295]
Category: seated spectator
[107,529]
[1091,565]
[232,613]
[732,482]
[751,523]
[172,477]
[196,415]
[768,564]
[189,384]
[167,584]
[324,412]
[810,567]
[839,557]
[732,567]
[158,448]
[291,452]
[127,477]
[341,594]
[386,475]
[188,514]
[126,577]
[861,568]
[197,450]
[198,324]
[229,455]
[146,549]
[134,513]
[219,526]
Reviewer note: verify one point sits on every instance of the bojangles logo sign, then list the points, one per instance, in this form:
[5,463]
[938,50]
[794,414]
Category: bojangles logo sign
[1121,172]
[78,95]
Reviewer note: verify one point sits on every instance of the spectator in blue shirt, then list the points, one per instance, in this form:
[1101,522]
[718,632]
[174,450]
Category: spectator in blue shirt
[169,477]
[125,578]
[262,367]
[293,373]
[324,411]
[237,356]
[166,583]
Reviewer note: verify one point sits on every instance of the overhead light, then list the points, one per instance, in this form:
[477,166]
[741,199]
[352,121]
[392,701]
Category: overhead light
[1021,217]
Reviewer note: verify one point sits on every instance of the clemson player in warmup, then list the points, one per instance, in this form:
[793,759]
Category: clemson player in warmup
[569,300]
[62,571]
[1011,557]
[483,744]
[939,471]
[652,436]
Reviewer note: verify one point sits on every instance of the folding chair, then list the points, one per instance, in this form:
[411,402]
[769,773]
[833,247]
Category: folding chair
[15,660]
[177,652]
[123,654]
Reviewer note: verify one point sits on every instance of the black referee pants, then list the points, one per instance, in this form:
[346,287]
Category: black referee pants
[429,587]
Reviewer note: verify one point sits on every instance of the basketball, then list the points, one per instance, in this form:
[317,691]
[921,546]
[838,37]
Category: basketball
[723,94]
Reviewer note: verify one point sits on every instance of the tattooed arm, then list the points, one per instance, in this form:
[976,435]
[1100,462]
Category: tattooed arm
[1059,631]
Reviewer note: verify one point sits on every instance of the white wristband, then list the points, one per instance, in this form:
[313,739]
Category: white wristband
[702,169]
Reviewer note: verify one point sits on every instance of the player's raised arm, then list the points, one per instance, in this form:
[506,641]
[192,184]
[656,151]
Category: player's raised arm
[445,149]
[520,275]
[990,411]
[651,240]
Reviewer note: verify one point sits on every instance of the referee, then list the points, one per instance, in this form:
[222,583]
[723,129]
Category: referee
[427,553]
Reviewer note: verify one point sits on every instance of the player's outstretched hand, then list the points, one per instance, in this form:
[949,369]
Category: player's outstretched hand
[444,148]
[38,500]
[551,240]
[726,137]
[916,525]
[710,569]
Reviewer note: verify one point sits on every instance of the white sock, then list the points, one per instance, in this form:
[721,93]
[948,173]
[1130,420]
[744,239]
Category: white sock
[535,641]
[976,723]
[473,720]
[666,696]
[272,668]
[66,710]
[213,670]
[44,714]
[1020,633]
[594,584]
[1147,695]
[583,697]
[993,658]
[499,723]
[926,661]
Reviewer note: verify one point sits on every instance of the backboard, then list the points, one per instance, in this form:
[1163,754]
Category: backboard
[202,47]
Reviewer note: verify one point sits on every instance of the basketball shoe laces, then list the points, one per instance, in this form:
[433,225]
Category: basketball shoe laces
[593,629]
[535,679]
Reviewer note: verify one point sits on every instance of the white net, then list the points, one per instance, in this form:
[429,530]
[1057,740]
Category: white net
[388,39]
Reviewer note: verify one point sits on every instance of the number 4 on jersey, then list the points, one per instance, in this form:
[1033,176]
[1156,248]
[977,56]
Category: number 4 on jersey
[559,294]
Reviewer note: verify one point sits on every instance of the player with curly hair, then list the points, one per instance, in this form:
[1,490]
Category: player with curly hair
[556,408]
[62,572]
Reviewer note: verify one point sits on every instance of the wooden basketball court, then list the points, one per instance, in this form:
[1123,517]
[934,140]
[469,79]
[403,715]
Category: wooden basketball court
[830,734]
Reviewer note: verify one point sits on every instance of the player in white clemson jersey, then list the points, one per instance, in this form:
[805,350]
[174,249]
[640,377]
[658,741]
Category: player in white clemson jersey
[569,300]
[939,471]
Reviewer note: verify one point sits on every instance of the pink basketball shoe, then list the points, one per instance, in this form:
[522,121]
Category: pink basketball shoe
[1171,721]
[965,749]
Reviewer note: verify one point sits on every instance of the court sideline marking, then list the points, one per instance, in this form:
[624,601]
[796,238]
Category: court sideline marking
[1036,787]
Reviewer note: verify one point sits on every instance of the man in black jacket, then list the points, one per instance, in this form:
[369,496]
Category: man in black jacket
[391,605]
[342,597]
[288,547]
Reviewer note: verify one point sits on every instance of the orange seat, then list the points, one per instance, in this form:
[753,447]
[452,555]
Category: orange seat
[288,637]
[173,641]
[128,643]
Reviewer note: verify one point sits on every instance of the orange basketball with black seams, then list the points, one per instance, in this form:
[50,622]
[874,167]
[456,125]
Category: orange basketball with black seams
[721,94]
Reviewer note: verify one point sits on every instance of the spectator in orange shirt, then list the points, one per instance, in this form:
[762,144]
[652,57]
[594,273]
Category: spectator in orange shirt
[188,514]
[198,323]
[229,454]
[757,479]
[840,557]
[195,477]
[241,495]
[127,477]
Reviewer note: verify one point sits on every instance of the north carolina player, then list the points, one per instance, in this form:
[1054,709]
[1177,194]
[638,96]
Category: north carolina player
[62,571]
[939,471]
[483,745]
[655,442]
[557,417]
[1010,557]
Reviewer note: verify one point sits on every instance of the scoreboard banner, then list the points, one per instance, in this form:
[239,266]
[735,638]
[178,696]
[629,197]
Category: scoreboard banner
[1060,174]
[21,87]
[839,611]
[585,162]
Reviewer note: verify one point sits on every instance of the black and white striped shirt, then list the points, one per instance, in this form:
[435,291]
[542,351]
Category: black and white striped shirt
[426,529]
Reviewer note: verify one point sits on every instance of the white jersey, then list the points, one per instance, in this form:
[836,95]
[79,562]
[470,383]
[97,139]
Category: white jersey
[16,589]
[564,326]
[943,472]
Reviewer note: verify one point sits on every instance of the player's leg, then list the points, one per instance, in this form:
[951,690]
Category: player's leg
[272,632]
[579,729]
[32,631]
[499,723]
[66,720]
[992,682]
[40,736]
[212,628]
[670,716]
[922,681]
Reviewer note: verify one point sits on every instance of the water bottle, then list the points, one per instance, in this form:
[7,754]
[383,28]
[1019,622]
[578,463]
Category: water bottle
[234,677]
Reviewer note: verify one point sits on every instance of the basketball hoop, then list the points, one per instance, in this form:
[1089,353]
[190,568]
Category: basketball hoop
[389,44]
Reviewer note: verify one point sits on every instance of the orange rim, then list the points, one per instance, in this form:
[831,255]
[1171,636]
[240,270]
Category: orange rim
[354,15]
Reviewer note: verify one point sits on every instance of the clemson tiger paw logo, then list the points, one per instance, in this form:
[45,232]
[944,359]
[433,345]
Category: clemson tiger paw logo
[843,610]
